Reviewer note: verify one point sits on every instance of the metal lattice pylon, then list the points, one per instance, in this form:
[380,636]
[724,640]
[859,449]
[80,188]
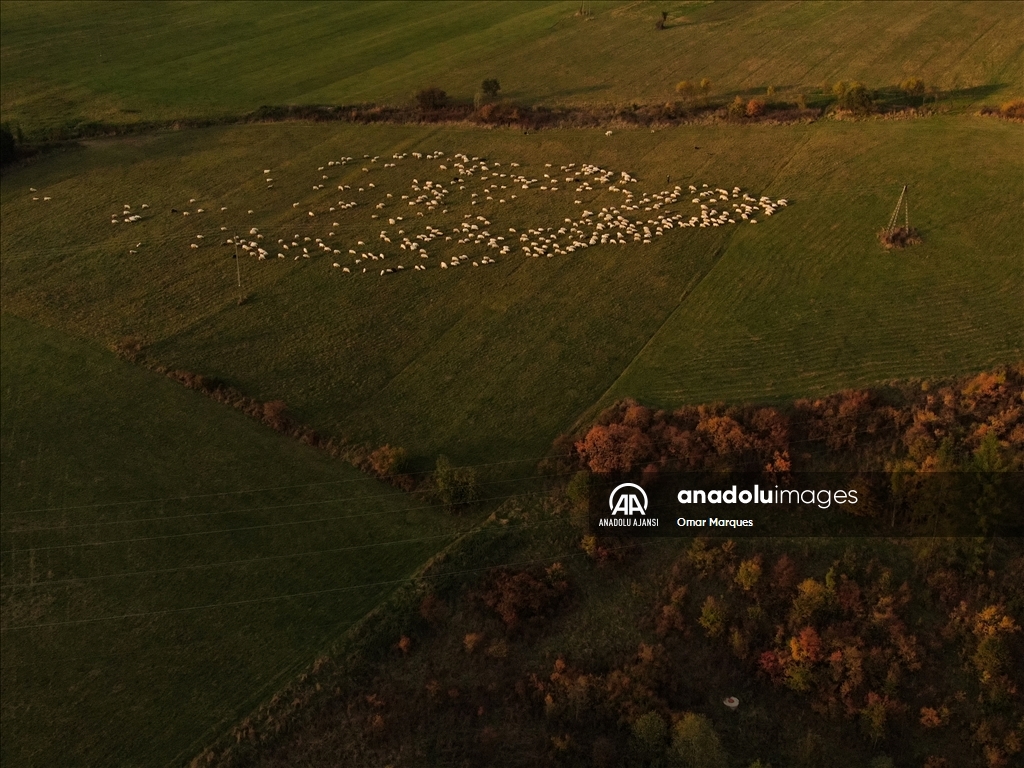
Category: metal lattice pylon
[903,202]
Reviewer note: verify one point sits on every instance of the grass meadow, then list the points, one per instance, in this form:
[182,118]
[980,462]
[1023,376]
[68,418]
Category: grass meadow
[814,304]
[488,365]
[71,62]
[168,563]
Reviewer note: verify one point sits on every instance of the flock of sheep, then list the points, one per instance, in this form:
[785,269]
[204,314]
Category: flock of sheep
[402,242]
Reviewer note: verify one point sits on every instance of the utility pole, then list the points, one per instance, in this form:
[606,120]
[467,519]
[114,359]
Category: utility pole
[238,270]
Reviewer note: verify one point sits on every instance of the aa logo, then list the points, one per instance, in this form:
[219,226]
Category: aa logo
[628,498]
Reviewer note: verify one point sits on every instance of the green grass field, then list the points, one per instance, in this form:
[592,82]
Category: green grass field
[150,537]
[815,304]
[151,542]
[69,62]
[489,365]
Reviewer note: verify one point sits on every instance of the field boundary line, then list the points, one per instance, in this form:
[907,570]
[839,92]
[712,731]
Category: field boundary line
[589,412]
[687,292]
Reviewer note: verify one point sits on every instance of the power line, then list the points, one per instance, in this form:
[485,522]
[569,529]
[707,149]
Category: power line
[365,478]
[332,590]
[228,530]
[248,561]
[246,510]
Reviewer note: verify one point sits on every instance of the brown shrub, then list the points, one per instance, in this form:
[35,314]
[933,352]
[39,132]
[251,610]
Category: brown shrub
[130,348]
[433,610]
[900,237]
[525,598]
[755,108]
[387,460]
[472,641]
[1013,110]
[275,415]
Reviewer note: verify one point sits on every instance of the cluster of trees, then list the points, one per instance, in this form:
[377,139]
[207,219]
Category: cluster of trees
[628,701]
[841,635]
[916,437]
[694,94]
[902,654]
[870,652]
[430,99]
[852,96]
[526,598]
[629,436]
[433,98]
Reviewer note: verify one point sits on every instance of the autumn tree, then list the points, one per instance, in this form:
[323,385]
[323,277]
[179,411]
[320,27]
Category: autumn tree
[686,91]
[749,573]
[615,448]
[705,90]
[695,744]
[913,87]
[712,616]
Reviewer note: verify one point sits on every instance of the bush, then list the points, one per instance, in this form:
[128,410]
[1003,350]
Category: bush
[387,460]
[431,98]
[472,641]
[755,108]
[737,109]
[275,416]
[454,486]
[130,348]
[1013,110]
[900,237]
[492,113]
